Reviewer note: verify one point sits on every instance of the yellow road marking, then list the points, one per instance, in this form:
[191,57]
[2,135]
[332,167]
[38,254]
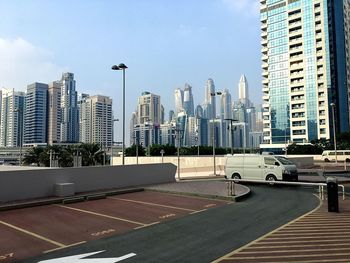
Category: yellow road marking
[266,235]
[154,204]
[33,234]
[102,215]
[293,256]
[307,261]
[71,245]
[330,225]
[291,251]
[301,237]
[283,231]
[301,241]
[303,233]
[302,245]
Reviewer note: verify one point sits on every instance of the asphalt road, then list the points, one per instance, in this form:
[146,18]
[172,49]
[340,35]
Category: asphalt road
[205,236]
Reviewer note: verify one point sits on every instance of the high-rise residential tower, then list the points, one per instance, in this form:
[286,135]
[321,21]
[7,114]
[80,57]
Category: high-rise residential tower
[96,120]
[11,121]
[149,108]
[36,114]
[210,101]
[54,114]
[226,105]
[69,109]
[188,104]
[306,67]
[243,92]
[179,100]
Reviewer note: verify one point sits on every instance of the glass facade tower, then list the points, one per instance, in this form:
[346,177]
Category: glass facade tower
[305,64]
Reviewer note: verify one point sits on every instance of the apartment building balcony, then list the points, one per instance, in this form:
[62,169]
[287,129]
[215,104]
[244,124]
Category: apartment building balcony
[265,89]
[266,105]
[263,34]
[295,32]
[264,58]
[264,50]
[295,58]
[265,66]
[296,23]
[266,97]
[264,41]
[265,73]
[265,81]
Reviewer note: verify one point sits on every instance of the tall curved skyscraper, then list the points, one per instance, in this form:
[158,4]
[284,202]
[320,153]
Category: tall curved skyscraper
[243,90]
[209,89]
[179,99]
[188,104]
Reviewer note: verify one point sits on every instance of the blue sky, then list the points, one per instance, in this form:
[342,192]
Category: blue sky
[164,43]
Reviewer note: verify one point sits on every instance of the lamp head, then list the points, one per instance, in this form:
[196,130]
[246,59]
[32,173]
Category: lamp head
[115,67]
[122,66]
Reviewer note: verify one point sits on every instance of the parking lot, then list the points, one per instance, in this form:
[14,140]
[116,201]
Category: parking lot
[29,232]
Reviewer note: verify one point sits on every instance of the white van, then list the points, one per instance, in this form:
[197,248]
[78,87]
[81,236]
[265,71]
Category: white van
[260,167]
[342,156]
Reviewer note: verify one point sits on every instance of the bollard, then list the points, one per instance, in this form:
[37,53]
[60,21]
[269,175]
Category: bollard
[332,194]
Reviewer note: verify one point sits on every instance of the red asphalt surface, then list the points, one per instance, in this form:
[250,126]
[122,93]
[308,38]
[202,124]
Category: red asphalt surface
[28,232]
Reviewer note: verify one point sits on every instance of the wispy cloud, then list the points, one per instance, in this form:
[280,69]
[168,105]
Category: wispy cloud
[23,63]
[246,7]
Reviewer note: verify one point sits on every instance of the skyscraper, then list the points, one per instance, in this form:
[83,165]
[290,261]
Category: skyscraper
[306,63]
[36,114]
[188,104]
[149,108]
[179,100]
[243,92]
[96,120]
[210,101]
[69,109]
[54,114]
[226,105]
[11,120]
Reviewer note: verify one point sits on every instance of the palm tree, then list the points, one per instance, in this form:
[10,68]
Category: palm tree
[34,155]
[91,154]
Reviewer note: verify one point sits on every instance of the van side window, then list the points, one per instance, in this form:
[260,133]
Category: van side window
[340,153]
[269,161]
[332,153]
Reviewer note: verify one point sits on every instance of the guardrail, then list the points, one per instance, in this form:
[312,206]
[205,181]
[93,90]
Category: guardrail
[231,188]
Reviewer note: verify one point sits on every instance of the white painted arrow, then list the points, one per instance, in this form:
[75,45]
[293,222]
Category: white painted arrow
[80,258]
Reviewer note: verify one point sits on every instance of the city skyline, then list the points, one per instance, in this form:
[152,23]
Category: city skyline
[163,47]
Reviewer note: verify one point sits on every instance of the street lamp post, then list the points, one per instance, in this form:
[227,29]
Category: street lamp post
[213,94]
[334,135]
[231,131]
[178,137]
[122,67]
[111,161]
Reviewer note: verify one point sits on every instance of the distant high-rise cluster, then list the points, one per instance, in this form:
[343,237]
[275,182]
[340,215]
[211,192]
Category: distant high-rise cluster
[306,69]
[187,125]
[52,113]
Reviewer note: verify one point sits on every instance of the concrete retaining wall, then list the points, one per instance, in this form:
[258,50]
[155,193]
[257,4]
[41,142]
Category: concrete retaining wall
[22,185]
[187,162]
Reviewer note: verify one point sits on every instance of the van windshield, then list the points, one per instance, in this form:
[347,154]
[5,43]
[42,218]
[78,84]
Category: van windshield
[283,160]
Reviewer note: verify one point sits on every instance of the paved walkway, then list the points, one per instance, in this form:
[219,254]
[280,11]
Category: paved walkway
[318,236]
[205,188]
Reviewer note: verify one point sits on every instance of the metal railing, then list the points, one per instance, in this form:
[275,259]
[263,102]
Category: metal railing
[231,188]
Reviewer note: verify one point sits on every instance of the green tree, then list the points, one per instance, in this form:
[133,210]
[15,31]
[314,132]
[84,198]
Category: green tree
[131,151]
[91,154]
[33,156]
